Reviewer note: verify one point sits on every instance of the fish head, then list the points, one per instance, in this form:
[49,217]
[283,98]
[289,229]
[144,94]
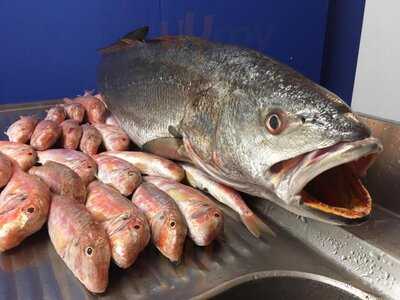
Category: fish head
[207,222]
[169,232]
[128,236]
[296,144]
[89,256]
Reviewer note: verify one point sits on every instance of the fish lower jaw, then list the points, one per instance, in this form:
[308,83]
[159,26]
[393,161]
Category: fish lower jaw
[325,184]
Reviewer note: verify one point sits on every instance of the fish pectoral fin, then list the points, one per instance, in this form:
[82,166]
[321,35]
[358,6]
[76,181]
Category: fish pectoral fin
[128,40]
[168,147]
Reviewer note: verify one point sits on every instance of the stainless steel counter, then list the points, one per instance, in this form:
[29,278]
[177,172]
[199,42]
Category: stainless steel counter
[363,258]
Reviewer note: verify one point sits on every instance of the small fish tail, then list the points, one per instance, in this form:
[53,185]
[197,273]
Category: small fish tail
[255,225]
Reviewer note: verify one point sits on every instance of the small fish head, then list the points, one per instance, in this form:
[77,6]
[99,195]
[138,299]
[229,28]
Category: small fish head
[89,256]
[207,223]
[169,232]
[128,236]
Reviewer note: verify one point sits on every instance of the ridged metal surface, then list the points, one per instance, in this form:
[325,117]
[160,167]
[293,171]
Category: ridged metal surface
[33,270]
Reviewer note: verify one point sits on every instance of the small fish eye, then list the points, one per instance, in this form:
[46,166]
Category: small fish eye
[172,224]
[216,215]
[136,227]
[89,251]
[89,167]
[303,119]
[275,122]
[30,210]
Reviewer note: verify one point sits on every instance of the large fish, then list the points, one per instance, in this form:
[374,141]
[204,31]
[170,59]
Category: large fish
[24,207]
[81,242]
[245,119]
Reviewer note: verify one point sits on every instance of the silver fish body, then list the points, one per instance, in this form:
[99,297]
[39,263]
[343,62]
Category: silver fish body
[245,119]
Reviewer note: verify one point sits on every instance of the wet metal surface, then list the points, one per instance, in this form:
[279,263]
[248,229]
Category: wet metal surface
[356,256]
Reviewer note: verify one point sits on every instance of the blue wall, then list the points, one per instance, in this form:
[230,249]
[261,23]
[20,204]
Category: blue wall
[342,42]
[48,48]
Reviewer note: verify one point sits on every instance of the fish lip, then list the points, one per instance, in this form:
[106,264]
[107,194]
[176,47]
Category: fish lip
[315,163]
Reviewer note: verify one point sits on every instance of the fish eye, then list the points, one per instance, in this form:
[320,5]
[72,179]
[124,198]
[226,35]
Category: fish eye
[89,251]
[172,224]
[137,227]
[275,123]
[30,210]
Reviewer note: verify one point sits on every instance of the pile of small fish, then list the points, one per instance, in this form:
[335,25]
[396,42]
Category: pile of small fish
[83,195]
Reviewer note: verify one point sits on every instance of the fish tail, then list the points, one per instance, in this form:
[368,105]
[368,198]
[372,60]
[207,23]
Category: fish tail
[255,225]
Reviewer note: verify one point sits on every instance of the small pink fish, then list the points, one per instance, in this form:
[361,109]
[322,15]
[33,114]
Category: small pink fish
[126,225]
[6,169]
[21,130]
[75,111]
[79,162]
[168,227]
[71,134]
[45,135]
[204,219]
[24,206]
[117,173]
[56,114]
[91,140]
[198,179]
[114,137]
[150,164]
[23,154]
[80,241]
[94,107]
[61,180]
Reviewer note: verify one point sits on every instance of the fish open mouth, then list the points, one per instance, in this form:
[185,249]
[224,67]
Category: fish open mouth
[328,181]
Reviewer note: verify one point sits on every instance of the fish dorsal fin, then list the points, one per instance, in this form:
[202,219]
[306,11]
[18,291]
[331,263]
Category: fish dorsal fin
[138,35]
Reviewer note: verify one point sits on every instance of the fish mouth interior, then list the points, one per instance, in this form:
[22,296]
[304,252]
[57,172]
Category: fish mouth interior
[339,191]
[328,181]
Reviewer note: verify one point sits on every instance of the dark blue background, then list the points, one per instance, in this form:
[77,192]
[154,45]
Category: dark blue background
[48,48]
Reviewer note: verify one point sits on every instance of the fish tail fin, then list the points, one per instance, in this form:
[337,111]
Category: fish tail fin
[255,225]
[138,35]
